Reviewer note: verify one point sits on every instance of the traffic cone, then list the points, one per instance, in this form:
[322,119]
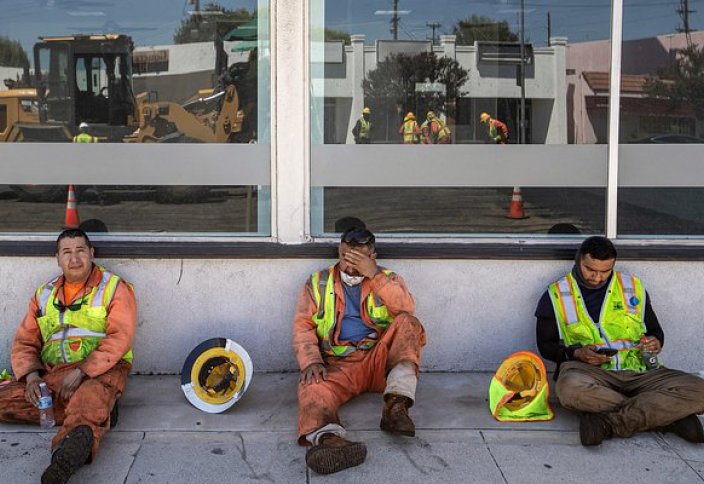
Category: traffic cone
[71,221]
[515,211]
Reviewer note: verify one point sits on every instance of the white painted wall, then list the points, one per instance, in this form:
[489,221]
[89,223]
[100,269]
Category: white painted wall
[475,312]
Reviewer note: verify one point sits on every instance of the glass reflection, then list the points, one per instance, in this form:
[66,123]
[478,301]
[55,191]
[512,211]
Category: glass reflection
[156,71]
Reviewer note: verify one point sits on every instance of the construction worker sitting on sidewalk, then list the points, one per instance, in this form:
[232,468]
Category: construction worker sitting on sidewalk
[75,338]
[353,332]
[435,130]
[598,325]
[498,131]
[84,136]
[409,129]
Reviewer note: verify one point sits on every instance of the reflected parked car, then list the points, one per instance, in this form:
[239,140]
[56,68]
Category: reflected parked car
[669,138]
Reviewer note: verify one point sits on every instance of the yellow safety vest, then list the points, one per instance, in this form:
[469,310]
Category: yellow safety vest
[410,129]
[444,131]
[620,324]
[70,336]
[323,285]
[84,138]
[364,128]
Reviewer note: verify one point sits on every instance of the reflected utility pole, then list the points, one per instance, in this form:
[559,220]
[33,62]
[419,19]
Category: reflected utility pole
[522,115]
[394,20]
[435,26]
[684,12]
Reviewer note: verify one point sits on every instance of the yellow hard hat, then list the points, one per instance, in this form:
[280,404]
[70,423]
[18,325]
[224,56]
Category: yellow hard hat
[366,111]
[430,115]
[409,116]
[483,117]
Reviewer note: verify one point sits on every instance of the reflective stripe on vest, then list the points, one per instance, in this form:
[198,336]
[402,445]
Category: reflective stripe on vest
[70,336]
[620,323]
[323,286]
[84,138]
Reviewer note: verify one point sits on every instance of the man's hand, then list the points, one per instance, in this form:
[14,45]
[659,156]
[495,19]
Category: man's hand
[313,374]
[361,262]
[651,344]
[70,384]
[587,355]
[31,389]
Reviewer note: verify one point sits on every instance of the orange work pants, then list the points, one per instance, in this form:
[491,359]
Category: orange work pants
[359,372]
[90,405]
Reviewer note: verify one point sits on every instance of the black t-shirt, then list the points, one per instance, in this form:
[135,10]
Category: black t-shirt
[548,336]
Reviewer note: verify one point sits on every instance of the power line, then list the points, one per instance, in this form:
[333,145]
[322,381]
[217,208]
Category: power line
[434,26]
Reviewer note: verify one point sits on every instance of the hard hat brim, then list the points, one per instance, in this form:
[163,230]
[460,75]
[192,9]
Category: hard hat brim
[200,361]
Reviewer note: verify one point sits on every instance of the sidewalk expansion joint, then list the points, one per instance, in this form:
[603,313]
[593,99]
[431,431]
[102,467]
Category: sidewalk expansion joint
[496,463]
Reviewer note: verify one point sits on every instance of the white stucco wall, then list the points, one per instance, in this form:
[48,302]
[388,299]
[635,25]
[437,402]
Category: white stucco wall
[475,312]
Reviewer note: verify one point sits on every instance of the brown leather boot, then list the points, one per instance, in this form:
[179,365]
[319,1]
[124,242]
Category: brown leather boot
[395,417]
[333,454]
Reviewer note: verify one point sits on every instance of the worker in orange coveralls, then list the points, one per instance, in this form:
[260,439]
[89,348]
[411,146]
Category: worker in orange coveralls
[75,338]
[353,332]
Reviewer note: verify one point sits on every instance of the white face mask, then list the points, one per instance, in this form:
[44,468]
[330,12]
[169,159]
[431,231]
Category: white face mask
[351,280]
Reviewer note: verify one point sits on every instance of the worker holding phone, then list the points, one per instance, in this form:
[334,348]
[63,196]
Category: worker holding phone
[598,325]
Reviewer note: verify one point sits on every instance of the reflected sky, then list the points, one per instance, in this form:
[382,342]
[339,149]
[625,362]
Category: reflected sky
[153,22]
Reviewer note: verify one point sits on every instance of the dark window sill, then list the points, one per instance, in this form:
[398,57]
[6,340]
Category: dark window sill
[269,250]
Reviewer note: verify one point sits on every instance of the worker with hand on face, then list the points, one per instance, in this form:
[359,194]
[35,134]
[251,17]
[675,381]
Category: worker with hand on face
[75,339]
[353,332]
[598,325]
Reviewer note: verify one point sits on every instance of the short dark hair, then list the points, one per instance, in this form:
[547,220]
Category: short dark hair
[72,234]
[358,236]
[598,247]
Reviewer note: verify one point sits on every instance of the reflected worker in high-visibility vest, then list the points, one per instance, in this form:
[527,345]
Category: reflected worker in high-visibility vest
[83,135]
[498,131]
[410,130]
[598,325]
[76,339]
[354,331]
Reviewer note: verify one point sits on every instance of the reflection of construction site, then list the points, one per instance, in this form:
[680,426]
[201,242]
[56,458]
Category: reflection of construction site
[160,94]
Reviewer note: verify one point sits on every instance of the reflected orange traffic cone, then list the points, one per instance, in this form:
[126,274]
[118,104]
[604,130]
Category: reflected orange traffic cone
[515,211]
[71,221]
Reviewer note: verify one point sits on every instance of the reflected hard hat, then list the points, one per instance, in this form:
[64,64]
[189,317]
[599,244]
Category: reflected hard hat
[83,125]
[483,117]
[216,375]
[430,115]
[409,116]
[366,111]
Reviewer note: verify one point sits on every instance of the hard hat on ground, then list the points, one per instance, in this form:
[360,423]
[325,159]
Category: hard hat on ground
[216,374]
[519,389]
[409,116]
[83,125]
[366,111]
[483,117]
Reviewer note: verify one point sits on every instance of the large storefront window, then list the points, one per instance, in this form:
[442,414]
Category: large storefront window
[108,83]
[444,98]
[661,182]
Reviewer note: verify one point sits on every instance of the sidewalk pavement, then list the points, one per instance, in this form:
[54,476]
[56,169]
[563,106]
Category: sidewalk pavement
[160,438]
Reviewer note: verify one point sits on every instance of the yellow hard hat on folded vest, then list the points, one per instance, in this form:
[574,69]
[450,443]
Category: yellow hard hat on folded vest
[519,389]
[216,374]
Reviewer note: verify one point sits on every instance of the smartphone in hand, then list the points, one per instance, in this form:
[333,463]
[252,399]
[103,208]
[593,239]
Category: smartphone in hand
[606,351]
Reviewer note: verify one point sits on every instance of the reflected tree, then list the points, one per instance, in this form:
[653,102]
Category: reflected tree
[12,54]
[478,27]
[683,81]
[201,26]
[394,83]
[336,35]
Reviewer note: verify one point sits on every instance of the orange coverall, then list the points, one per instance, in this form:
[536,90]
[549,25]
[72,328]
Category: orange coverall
[106,372]
[363,370]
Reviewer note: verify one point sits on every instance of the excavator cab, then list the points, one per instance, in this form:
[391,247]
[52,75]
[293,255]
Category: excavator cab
[86,78]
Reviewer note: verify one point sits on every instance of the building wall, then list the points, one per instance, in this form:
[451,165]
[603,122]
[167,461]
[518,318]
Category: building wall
[476,312]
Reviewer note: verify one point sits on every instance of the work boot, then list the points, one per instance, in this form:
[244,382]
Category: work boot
[333,454]
[395,417]
[114,413]
[71,454]
[594,428]
[689,428]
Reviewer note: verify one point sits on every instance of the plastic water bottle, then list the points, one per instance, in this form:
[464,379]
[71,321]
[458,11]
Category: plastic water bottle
[46,408]
[650,360]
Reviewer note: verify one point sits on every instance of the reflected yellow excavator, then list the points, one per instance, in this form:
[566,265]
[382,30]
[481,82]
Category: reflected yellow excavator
[88,78]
